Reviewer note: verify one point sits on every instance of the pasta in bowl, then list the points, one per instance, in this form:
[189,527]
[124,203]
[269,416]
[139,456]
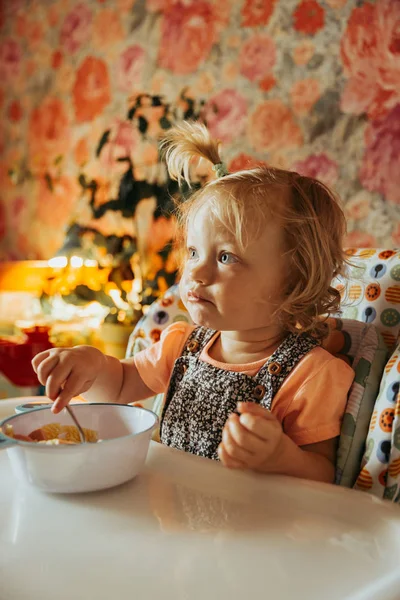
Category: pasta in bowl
[53,434]
[125,432]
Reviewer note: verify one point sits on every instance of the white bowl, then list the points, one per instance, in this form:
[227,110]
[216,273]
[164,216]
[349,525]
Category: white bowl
[125,432]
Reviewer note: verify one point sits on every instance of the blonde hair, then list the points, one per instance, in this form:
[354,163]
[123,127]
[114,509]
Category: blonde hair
[312,221]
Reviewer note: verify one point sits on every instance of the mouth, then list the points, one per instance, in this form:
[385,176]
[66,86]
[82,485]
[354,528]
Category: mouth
[196,298]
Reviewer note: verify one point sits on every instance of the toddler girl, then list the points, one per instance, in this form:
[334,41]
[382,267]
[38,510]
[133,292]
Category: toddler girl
[250,384]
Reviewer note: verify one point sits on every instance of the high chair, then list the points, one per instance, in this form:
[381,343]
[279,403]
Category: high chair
[366,336]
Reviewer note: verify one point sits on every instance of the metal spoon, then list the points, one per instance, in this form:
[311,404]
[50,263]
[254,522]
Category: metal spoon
[82,435]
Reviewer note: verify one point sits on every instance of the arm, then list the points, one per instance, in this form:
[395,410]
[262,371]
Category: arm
[255,440]
[315,462]
[118,382]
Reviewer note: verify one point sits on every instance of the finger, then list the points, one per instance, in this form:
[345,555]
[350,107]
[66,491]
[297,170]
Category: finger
[74,386]
[233,449]
[261,428]
[255,409]
[39,358]
[46,367]
[227,461]
[245,439]
[57,378]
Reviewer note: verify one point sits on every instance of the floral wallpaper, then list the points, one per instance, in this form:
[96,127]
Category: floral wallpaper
[304,84]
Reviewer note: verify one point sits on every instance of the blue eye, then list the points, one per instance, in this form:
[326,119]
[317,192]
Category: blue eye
[192,253]
[226,258]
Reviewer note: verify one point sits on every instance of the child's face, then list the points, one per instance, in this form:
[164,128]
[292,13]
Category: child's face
[225,288]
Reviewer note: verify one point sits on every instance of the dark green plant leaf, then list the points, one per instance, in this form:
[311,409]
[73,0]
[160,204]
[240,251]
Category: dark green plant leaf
[49,182]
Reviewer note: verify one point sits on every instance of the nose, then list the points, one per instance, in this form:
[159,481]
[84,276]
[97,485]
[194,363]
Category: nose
[201,272]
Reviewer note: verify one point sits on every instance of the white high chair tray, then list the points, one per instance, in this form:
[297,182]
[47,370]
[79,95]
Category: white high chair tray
[189,529]
[7,407]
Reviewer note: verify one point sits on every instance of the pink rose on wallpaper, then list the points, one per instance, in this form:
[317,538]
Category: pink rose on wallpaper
[54,208]
[272,127]
[370,51]
[244,161]
[56,59]
[124,138]
[304,95]
[308,17]
[318,166]
[15,112]
[303,52]
[188,32]
[21,25]
[360,239]
[75,30]
[226,115]
[91,91]
[267,83]
[53,15]
[130,68]
[380,170]
[10,59]
[35,34]
[256,12]
[257,57]
[359,206]
[107,29]
[48,133]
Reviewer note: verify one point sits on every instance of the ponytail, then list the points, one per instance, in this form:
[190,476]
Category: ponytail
[185,142]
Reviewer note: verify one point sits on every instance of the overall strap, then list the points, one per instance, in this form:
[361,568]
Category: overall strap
[281,363]
[197,340]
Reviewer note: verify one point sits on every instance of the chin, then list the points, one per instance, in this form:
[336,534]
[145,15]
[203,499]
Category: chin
[199,317]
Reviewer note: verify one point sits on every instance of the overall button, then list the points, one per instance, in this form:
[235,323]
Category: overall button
[193,346]
[274,368]
[259,392]
[181,370]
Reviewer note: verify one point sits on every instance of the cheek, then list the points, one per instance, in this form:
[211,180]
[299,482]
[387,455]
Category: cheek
[270,292]
[182,287]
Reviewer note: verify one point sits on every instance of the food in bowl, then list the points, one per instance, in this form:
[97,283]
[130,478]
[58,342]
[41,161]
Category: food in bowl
[53,434]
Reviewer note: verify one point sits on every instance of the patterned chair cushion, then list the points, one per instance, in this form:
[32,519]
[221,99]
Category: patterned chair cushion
[363,348]
[161,314]
[371,290]
[380,474]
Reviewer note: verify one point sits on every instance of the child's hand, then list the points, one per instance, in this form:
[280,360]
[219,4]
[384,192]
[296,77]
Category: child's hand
[68,372]
[252,440]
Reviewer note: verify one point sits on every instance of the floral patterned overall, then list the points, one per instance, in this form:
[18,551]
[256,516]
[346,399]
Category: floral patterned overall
[201,396]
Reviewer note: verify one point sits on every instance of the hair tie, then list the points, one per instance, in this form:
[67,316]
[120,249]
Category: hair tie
[220,170]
